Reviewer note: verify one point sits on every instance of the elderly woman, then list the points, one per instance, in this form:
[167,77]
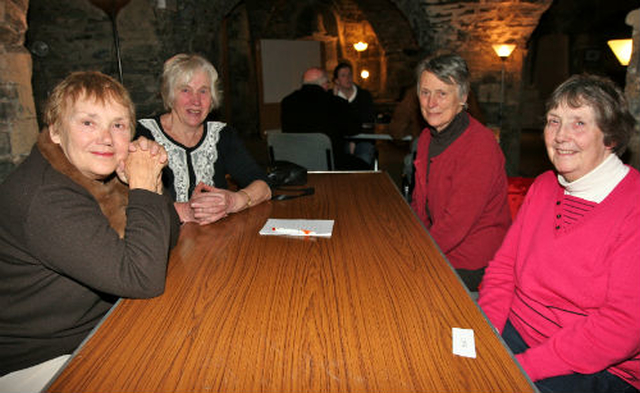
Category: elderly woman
[201,153]
[460,186]
[73,237]
[563,288]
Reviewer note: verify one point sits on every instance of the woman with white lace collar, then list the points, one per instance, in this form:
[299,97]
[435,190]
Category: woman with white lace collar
[201,152]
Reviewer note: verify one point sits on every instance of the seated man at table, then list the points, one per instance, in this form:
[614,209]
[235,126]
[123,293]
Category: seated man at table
[312,108]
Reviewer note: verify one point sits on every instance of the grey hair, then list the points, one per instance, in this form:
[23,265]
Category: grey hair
[607,101]
[449,68]
[180,69]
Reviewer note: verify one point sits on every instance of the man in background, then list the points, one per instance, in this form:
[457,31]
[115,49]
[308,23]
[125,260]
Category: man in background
[312,108]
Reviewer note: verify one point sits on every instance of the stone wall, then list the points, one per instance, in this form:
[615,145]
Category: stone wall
[148,35]
[68,35]
[74,34]
[470,28]
[18,126]
[632,89]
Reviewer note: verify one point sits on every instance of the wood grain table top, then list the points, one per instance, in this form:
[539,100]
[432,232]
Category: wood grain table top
[370,309]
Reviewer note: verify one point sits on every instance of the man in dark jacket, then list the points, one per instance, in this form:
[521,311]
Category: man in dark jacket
[312,108]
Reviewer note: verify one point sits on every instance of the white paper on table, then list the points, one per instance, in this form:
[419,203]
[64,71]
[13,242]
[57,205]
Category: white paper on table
[464,343]
[297,227]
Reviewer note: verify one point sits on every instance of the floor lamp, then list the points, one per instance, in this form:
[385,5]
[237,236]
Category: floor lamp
[111,8]
[503,51]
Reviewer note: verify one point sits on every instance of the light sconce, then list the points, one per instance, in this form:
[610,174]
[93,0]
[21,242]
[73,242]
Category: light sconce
[504,50]
[364,74]
[622,50]
[360,46]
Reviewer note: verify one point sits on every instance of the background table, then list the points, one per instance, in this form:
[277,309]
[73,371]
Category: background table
[370,309]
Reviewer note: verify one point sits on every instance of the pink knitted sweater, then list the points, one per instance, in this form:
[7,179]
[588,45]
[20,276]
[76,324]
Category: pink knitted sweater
[571,288]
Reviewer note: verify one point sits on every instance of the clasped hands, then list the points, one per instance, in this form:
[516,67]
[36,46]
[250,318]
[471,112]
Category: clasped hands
[143,166]
[209,204]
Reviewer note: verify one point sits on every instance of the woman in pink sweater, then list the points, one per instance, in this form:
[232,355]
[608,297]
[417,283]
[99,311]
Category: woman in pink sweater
[563,289]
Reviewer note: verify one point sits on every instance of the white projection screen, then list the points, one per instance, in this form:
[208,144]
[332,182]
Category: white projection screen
[283,62]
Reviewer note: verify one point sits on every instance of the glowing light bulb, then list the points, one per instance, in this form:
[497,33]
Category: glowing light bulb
[622,50]
[360,46]
[504,50]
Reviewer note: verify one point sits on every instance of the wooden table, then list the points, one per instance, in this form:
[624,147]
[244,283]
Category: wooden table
[368,310]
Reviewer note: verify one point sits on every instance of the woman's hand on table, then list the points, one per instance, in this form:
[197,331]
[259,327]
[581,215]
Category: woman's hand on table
[209,204]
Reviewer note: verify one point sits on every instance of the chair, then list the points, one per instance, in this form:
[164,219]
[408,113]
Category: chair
[517,190]
[311,150]
[407,171]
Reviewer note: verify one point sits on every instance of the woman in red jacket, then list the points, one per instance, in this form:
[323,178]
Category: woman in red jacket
[460,190]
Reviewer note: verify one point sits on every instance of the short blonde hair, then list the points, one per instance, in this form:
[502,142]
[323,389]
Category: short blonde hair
[179,69]
[90,84]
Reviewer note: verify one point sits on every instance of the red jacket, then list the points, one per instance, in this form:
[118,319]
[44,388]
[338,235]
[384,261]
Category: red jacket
[467,194]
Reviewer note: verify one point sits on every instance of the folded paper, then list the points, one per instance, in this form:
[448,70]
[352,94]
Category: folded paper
[297,227]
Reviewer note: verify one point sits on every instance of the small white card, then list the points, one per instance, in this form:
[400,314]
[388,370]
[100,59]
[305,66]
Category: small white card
[283,227]
[463,343]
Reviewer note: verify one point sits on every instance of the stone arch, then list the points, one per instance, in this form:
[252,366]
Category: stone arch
[393,50]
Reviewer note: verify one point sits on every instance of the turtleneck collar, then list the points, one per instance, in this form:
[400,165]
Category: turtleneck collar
[441,140]
[596,185]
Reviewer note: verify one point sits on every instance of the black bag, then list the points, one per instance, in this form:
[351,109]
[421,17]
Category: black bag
[283,174]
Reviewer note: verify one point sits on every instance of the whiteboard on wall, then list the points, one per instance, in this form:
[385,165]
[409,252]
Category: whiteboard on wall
[283,63]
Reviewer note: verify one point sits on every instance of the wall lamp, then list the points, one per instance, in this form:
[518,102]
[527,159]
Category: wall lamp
[622,49]
[360,46]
